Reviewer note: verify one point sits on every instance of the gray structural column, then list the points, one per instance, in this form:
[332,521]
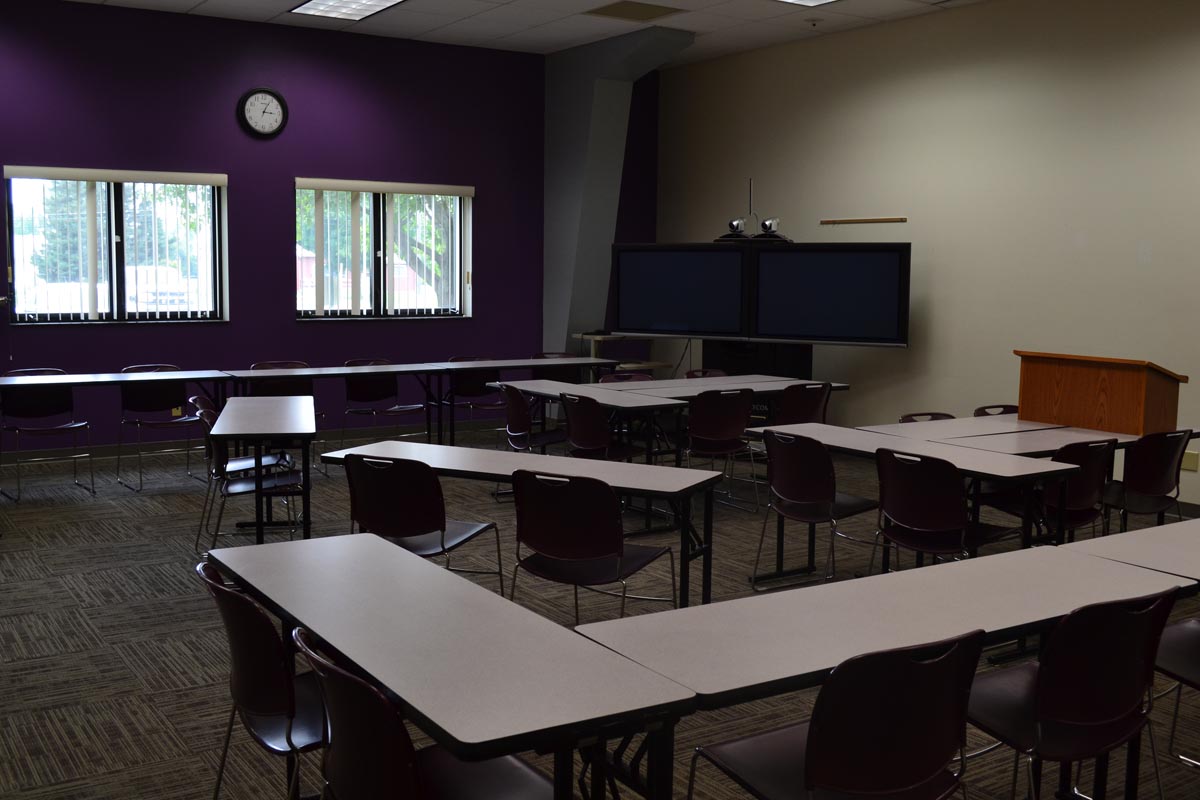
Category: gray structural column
[588,90]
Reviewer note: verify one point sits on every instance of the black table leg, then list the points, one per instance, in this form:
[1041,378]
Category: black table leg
[661,766]
[306,487]
[564,774]
[450,405]
[1133,760]
[1100,782]
[258,492]
[686,535]
[706,586]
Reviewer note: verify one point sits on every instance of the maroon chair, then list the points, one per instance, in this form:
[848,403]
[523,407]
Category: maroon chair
[589,430]
[923,507]
[370,754]
[887,724]
[376,395]
[149,405]
[925,416]
[1179,659]
[803,488]
[281,386]
[1151,480]
[471,390]
[625,377]
[992,411]
[519,427]
[572,530]
[717,420]
[556,373]
[710,372]
[282,713]
[401,500]
[802,402]
[1089,692]
[42,411]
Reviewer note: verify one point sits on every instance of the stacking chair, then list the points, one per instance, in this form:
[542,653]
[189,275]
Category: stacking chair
[925,416]
[288,387]
[401,500]
[572,530]
[923,507]
[625,377]
[1089,692]
[1179,659]
[1084,489]
[376,396]
[282,713]
[884,725]
[370,754]
[803,488]
[991,411]
[234,477]
[521,435]
[471,390]
[717,420]
[561,374]
[802,402]
[710,372]
[1151,481]
[149,405]
[589,430]
[39,412]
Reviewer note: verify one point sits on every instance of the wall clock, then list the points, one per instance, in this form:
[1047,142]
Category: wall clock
[262,113]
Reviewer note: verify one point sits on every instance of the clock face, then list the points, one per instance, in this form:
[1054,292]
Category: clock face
[262,112]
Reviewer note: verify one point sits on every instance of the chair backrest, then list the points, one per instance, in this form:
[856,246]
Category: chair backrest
[1085,488]
[891,721]
[216,450]
[201,402]
[280,387]
[367,389]
[36,402]
[1097,667]
[369,753]
[474,384]
[709,372]
[587,423]
[1152,463]
[394,498]
[567,518]
[518,420]
[719,415]
[260,681]
[991,411]
[560,374]
[925,416]
[921,493]
[145,397]
[802,402]
[801,477]
[624,377]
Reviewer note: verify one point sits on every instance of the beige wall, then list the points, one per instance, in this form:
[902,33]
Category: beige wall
[1046,153]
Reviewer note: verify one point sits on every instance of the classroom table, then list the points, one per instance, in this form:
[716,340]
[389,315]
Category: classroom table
[216,378]
[676,486]
[271,421]
[1173,548]
[711,382]
[959,427]
[693,388]
[1041,443]
[484,677]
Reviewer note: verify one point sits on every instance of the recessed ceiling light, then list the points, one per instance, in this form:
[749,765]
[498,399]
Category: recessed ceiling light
[633,11]
[344,9]
[807,2]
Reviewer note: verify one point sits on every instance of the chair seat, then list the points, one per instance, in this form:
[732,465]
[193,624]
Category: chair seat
[430,544]
[410,408]
[771,766]
[844,507]
[246,463]
[1115,495]
[36,430]
[445,777]
[593,571]
[1177,652]
[716,448]
[947,542]
[536,440]
[276,483]
[308,727]
[161,423]
[1003,705]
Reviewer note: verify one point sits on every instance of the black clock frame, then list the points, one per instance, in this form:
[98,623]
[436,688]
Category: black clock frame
[240,111]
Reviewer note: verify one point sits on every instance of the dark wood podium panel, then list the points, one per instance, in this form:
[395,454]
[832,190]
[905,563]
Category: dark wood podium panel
[1108,394]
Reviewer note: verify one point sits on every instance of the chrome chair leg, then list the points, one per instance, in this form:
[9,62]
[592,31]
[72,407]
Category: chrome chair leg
[1154,757]
[624,591]
[761,539]
[674,586]
[692,773]
[499,561]
[512,591]
[224,753]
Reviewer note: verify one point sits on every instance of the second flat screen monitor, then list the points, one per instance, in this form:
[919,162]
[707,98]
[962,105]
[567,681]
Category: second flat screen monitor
[687,292]
[816,295]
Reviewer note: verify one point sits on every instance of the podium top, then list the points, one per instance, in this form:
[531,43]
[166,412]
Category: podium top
[1103,360]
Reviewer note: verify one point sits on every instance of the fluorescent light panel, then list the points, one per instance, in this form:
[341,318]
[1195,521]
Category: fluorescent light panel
[344,9]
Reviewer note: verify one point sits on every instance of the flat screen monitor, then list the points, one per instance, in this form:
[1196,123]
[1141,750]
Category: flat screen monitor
[686,291]
[840,293]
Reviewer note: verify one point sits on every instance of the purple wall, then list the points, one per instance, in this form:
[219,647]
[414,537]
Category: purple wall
[108,87]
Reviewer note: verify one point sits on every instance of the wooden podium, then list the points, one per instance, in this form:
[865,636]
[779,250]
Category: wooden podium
[1107,394]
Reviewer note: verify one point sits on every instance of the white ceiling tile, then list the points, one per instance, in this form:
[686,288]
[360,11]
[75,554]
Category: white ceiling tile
[449,8]
[255,10]
[878,9]
[817,21]
[567,6]
[311,21]
[699,22]
[524,15]
[157,5]
[687,5]
[96,2]
[753,9]
[399,21]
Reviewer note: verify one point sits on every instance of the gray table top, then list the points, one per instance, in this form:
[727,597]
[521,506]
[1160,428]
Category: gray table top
[974,462]
[499,465]
[335,372]
[1038,443]
[694,387]
[599,391]
[714,382]
[524,363]
[962,426]
[104,378]
[266,418]
[480,674]
[1174,548]
[756,646]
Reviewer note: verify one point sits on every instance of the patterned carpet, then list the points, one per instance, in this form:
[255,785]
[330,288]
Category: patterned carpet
[113,663]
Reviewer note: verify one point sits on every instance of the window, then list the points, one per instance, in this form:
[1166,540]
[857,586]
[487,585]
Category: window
[96,245]
[366,249]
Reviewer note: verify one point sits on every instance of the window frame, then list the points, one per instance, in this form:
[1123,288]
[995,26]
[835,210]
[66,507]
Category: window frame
[380,193]
[116,182]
